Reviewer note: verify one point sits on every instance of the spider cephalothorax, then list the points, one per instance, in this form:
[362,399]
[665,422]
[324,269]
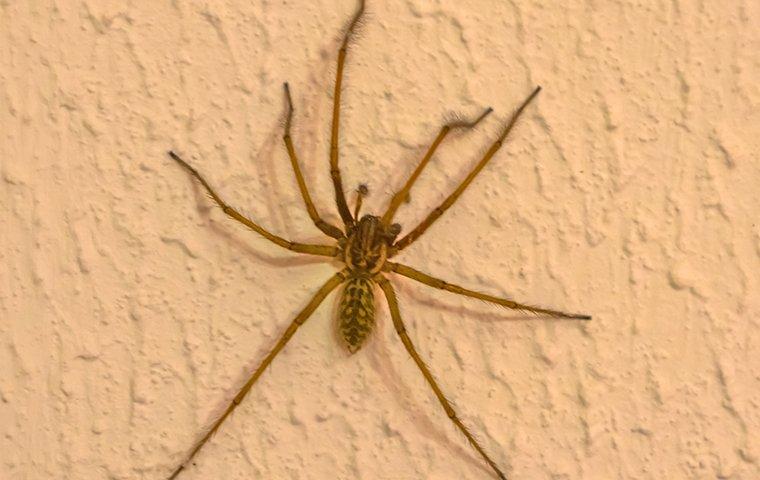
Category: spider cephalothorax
[365,244]
[364,253]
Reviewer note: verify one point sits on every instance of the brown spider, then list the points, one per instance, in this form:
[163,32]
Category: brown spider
[365,244]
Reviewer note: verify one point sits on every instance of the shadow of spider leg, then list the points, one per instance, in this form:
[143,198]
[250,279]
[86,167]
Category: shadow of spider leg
[433,216]
[400,196]
[300,319]
[340,196]
[327,228]
[324,250]
[421,277]
[398,324]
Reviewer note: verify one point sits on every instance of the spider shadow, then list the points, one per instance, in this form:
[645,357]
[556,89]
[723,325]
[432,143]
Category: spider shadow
[233,238]
[266,344]
[380,359]
[497,314]
[295,260]
[308,113]
[265,166]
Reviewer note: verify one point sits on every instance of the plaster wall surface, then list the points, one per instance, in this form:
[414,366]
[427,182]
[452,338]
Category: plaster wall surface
[131,310]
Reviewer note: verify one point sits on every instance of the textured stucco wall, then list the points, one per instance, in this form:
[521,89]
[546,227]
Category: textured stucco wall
[130,310]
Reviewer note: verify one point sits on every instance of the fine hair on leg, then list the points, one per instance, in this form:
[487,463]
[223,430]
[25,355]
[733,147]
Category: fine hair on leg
[328,287]
[323,250]
[433,216]
[327,228]
[400,196]
[340,196]
[398,324]
[431,281]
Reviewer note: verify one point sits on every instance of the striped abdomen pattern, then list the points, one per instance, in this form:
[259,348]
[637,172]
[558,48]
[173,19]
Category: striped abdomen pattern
[356,315]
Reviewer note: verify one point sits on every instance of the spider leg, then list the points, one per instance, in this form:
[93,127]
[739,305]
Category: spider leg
[327,228]
[328,287]
[324,250]
[442,285]
[400,196]
[390,295]
[340,196]
[433,216]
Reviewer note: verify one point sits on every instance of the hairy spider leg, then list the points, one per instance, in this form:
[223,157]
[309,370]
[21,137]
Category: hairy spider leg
[400,196]
[323,250]
[422,277]
[340,196]
[390,295]
[328,228]
[325,290]
[433,216]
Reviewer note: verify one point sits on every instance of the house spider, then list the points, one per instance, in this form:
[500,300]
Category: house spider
[365,245]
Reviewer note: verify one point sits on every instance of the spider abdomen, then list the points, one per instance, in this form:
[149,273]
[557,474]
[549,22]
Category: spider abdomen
[356,315]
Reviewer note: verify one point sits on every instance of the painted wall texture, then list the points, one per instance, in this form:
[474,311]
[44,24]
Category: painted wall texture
[131,310]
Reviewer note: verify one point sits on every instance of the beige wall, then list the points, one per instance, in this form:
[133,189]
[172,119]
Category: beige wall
[131,310]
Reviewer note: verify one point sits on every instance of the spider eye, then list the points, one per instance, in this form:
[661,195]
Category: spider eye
[394,229]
